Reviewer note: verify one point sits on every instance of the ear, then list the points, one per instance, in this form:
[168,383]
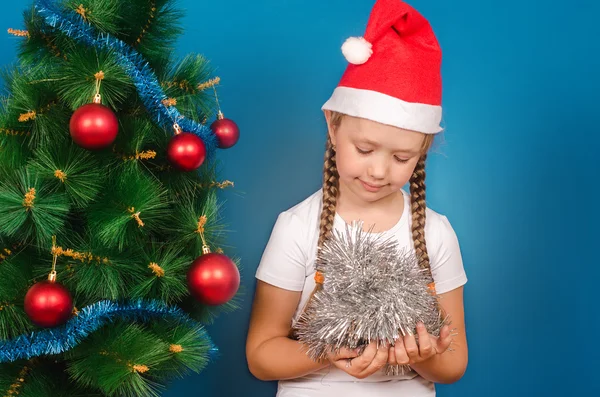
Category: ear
[330,130]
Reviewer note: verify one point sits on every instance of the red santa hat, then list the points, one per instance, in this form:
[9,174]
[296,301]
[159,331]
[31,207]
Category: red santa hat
[394,72]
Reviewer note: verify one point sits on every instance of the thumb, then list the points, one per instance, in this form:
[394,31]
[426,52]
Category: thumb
[444,340]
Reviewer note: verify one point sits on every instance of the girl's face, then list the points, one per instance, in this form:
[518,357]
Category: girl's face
[373,160]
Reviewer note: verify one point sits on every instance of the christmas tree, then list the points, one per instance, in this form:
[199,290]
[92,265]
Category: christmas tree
[111,257]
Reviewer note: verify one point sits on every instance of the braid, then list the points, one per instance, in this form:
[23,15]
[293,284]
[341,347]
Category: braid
[418,205]
[330,192]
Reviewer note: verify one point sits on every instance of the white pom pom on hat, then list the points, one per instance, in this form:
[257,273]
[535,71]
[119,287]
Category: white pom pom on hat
[357,50]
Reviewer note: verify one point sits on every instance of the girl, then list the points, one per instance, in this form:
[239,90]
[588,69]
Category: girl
[381,121]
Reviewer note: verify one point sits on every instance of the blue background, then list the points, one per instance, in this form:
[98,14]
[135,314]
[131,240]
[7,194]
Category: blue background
[515,171]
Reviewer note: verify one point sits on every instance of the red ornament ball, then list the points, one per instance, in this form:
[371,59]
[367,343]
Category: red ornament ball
[227,132]
[186,151]
[48,304]
[213,279]
[94,126]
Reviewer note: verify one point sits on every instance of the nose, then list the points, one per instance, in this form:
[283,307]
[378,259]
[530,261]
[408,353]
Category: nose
[378,167]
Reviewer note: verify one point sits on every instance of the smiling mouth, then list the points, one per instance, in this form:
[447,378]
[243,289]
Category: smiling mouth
[370,187]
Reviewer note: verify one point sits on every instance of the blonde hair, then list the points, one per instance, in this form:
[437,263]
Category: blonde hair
[417,194]
[331,191]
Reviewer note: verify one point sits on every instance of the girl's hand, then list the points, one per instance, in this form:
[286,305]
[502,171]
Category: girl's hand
[407,351]
[370,361]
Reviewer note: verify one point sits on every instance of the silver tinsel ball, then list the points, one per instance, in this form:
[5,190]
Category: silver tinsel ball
[373,292]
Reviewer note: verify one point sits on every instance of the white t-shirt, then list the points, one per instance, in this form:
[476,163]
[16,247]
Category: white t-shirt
[288,262]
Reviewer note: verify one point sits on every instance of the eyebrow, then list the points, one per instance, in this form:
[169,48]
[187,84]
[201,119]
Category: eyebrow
[370,142]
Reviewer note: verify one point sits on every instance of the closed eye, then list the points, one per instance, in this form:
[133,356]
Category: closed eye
[400,160]
[361,151]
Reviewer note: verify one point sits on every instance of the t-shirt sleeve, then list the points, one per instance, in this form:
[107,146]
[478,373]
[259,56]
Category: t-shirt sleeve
[446,259]
[283,263]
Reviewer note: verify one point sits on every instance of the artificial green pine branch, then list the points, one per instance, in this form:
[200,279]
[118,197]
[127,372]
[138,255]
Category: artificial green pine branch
[29,210]
[119,360]
[71,170]
[24,378]
[34,104]
[187,349]
[14,151]
[105,15]
[137,135]
[184,82]
[126,222]
[16,273]
[163,273]
[92,272]
[134,207]
[151,27]
[16,265]
[41,46]
[199,211]
[84,66]
[40,378]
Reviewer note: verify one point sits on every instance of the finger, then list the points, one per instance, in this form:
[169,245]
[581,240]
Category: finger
[346,353]
[380,359]
[412,350]
[400,352]
[344,364]
[444,341]
[362,362]
[425,346]
[392,356]
[444,332]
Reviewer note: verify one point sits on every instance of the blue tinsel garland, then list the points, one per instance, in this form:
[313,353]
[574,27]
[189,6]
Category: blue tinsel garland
[135,66]
[90,319]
